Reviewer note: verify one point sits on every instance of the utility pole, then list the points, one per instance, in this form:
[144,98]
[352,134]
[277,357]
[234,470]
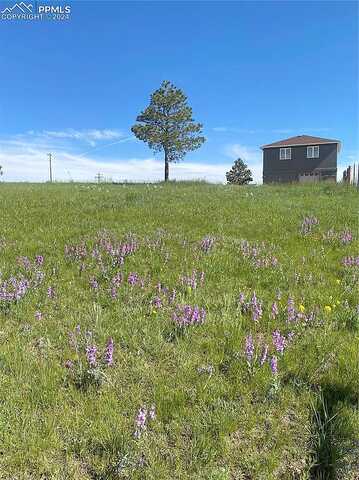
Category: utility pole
[99,177]
[50,164]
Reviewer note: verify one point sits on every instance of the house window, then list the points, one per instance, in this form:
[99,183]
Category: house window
[313,151]
[285,153]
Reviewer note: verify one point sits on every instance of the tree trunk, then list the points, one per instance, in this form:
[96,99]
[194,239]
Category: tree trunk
[166,166]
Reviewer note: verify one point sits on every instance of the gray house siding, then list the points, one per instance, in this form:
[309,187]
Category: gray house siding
[276,170]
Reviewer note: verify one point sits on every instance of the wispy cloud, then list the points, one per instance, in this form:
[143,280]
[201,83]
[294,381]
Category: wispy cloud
[24,161]
[280,131]
[235,130]
[90,136]
[300,131]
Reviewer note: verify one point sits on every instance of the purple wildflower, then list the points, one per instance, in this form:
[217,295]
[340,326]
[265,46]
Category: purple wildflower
[207,244]
[279,341]
[157,302]
[109,352]
[38,315]
[94,283]
[307,225]
[189,315]
[346,237]
[39,259]
[351,261]
[51,292]
[290,336]
[132,279]
[117,279]
[249,350]
[274,365]
[172,297]
[140,422]
[257,312]
[91,352]
[69,364]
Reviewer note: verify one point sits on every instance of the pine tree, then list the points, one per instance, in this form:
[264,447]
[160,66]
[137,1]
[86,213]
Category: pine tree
[239,174]
[167,125]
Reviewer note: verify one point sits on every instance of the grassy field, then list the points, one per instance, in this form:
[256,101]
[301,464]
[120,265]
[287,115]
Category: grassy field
[181,331]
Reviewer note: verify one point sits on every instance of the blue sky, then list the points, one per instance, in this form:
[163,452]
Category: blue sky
[254,72]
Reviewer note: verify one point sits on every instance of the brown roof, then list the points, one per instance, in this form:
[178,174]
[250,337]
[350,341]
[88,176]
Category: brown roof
[301,140]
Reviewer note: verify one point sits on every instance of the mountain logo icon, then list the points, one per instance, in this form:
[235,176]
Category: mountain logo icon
[19,8]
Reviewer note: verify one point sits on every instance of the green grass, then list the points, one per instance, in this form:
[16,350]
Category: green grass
[230,421]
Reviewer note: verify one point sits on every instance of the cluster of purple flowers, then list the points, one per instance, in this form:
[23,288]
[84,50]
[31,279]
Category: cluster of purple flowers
[91,353]
[188,315]
[260,254]
[51,292]
[274,365]
[344,237]
[207,244]
[279,341]
[256,307]
[249,350]
[76,252]
[307,225]
[351,261]
[133,279]
[193,280]
[156,302]
[39,260]
[13,289]
[24,262]
[84,343]
[108,356]
[94,283]
[143,416]
[265,262]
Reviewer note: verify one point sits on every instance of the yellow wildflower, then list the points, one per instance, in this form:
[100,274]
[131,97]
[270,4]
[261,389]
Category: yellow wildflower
[328,308]
[301,308]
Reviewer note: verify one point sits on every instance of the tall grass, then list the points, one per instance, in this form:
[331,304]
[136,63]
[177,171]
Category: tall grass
[112,257]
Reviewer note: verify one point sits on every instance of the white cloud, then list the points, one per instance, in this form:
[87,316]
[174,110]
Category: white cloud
[235,130]
[29,162]
[89,136]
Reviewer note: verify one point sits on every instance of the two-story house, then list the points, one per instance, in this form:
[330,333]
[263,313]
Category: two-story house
[302,158]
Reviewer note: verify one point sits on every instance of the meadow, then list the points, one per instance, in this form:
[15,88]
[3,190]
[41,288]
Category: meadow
[179,331]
